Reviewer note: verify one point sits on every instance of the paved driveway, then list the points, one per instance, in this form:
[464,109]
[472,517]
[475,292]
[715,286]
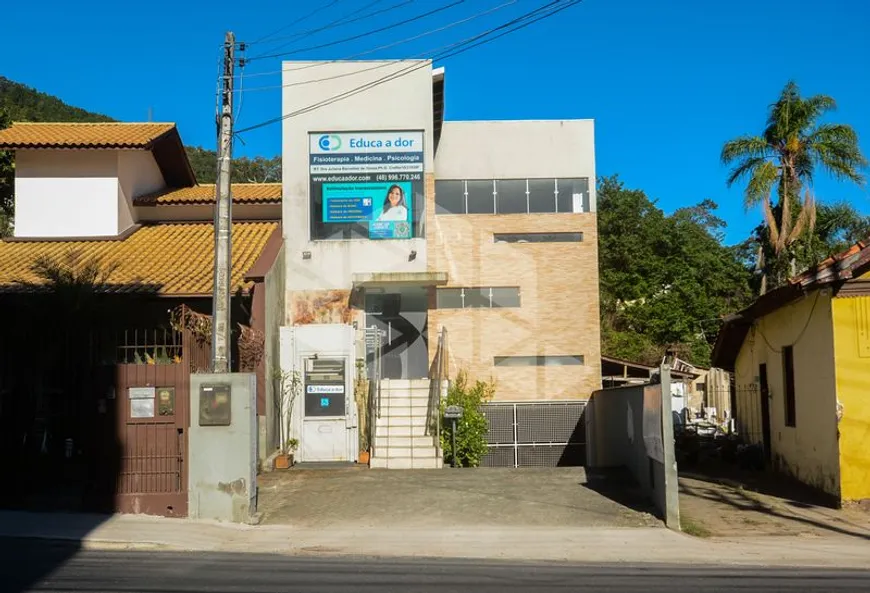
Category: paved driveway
[360,497]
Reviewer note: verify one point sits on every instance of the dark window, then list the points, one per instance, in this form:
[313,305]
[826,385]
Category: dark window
[448,298]
[510,195]
[506,297]
[480,198]
[573,195]
[476,298]
[528,361]
[542,195]
[537,237]
[449,197]
[788,381]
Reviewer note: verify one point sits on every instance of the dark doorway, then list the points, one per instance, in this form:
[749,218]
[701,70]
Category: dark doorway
[764,395]
[400,314]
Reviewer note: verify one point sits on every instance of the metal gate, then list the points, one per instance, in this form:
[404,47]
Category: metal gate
[536,434]
[153,412]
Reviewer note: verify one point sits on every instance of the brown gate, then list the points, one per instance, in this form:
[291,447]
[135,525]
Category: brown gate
[153,412]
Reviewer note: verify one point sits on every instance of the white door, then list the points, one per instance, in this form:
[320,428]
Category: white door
[324,422]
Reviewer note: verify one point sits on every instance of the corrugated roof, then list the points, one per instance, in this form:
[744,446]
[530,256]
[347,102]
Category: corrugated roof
[835,270]
[166,259]
[82,135]
[243,193]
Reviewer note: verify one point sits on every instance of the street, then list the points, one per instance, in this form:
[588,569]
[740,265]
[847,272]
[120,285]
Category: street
[35,565]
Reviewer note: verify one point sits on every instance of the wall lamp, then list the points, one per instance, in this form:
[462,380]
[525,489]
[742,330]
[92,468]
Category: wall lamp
[306,255]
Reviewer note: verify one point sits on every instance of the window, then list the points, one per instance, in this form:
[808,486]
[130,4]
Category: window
[531,361]
[542,195]
[477,298]
[450,197]
[573,195]
[537,237]
[510,195]
[788,382]
[480,197]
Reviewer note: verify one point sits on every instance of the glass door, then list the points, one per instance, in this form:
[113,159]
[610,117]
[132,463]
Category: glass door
[401,317]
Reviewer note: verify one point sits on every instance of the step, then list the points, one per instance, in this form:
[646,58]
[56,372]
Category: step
[404,399]
[416,421]
[400,431]
[406,463]
[382,442]
[405,383]
[404,411]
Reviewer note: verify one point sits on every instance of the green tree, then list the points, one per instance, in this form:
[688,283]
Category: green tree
[665,280]
[471,428]
[793,145]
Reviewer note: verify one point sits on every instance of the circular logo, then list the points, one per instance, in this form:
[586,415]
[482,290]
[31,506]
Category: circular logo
[402,230]
[329,142]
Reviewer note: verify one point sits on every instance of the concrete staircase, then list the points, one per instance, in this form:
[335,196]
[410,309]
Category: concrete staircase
[400,439]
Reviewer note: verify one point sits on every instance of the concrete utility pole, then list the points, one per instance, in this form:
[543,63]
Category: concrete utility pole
[220,338]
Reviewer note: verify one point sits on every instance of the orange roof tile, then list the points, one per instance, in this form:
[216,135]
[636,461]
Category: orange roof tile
[79,135]
[243,193]
[165,259]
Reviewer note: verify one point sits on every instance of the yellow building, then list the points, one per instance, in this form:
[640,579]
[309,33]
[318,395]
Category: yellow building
[801,361]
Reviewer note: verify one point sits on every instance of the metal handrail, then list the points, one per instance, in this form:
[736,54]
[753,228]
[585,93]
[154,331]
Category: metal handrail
[436,377]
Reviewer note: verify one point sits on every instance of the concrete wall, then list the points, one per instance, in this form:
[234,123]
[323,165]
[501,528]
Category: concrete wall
[518,150]
[138,175]
[809,450]
[66,193]
[852,352]
[404,103]
[275,317]
[615,438]
[223,459]
[558,282]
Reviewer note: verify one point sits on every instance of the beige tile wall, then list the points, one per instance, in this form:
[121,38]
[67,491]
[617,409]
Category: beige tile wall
[559,300]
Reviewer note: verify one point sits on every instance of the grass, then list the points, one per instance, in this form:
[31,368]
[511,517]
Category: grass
[691,527]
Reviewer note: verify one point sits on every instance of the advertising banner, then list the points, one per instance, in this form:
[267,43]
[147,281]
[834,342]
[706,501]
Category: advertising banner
[366,182]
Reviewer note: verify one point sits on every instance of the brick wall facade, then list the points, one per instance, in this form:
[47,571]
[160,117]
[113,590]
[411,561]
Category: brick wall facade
[559,300]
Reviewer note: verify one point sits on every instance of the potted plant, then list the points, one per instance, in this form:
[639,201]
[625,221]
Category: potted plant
[288,385]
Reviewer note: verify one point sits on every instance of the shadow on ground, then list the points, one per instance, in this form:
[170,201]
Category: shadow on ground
[730,500]
[619,485]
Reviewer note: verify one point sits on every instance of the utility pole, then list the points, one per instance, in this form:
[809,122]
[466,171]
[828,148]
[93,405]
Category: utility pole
[220,339]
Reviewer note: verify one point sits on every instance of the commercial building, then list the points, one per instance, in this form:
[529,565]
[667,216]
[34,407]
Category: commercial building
[397,219]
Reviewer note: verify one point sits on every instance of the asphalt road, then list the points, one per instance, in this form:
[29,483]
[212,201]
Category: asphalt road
[33,565]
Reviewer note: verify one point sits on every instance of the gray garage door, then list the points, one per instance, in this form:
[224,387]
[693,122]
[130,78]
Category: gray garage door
[536,434]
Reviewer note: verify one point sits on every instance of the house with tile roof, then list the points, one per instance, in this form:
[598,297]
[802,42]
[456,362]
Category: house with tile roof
[800,355]
[113,237]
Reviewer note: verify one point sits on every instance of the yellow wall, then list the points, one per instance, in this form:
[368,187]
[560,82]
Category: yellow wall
[809,451]
[852,347]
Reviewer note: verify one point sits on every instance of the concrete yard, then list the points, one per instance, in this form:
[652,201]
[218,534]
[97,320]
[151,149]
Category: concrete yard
[461,498]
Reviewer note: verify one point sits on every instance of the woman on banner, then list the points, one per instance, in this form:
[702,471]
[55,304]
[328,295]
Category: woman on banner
[395,207]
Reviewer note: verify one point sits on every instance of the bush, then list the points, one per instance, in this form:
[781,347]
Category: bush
[471,428]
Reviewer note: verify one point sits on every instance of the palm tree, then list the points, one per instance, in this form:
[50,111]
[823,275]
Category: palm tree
[786,155]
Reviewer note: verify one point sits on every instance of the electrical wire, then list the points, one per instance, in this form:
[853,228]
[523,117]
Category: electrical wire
[296,22]
[345,20]
[370,51]
[361,35]
[480,40]
[800,335]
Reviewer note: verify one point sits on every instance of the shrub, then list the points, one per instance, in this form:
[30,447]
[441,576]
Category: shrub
[471,428]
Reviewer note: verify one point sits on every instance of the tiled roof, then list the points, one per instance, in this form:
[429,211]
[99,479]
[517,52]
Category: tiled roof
[78,135]
[166,259]
[243,193]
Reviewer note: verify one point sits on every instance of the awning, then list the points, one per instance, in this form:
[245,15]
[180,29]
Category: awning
[372,279]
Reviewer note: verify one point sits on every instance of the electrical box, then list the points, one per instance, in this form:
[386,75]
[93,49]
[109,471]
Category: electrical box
[215,404]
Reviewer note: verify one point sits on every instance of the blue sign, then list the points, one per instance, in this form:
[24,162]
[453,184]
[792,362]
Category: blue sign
[324,402]
[385,206]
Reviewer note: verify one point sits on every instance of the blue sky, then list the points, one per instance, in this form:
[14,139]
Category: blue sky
[667,81]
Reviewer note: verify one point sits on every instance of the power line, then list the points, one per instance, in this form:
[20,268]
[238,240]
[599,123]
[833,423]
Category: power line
[361,35]
[297,21]
[383,65]
[410,69]
[345,20]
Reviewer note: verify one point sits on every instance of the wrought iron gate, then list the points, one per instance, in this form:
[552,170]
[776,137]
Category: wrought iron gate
[536,434]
